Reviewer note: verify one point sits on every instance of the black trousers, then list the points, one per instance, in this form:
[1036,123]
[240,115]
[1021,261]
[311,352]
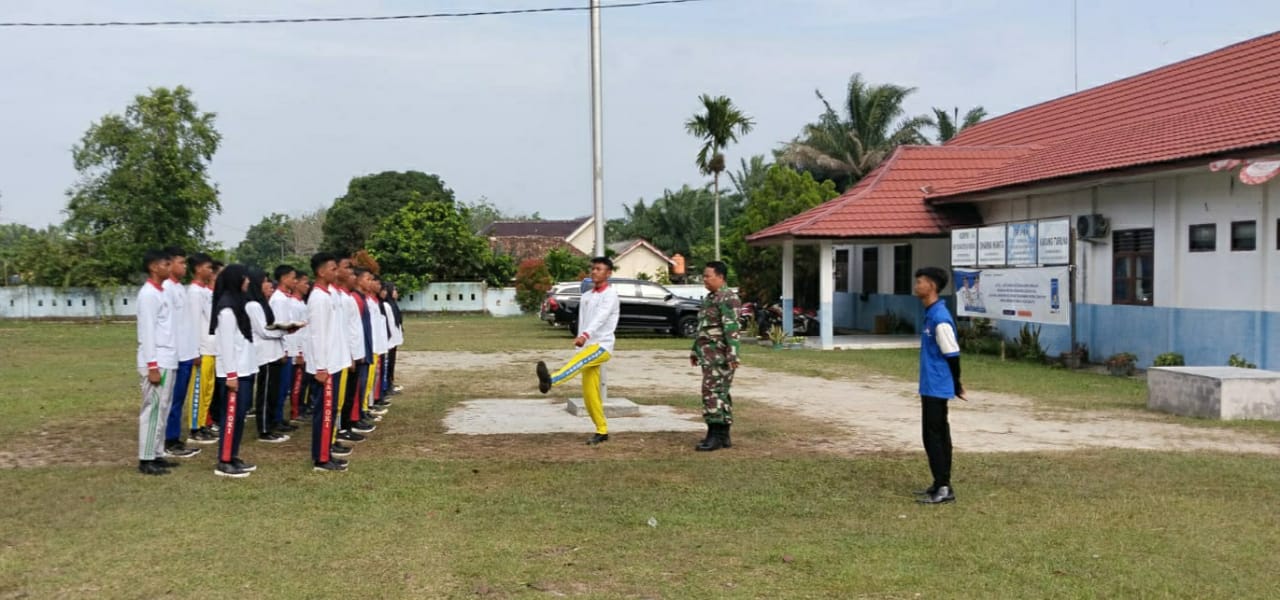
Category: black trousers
[937,438]
[391,368]
[266,390]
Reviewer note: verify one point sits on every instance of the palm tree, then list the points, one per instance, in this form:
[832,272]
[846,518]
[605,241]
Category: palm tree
[845,146]
[720,124]
[946,123]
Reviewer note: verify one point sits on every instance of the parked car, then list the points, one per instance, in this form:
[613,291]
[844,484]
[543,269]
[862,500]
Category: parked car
[644,305]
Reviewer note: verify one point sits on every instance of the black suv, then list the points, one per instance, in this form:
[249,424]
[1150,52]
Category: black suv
[644,306]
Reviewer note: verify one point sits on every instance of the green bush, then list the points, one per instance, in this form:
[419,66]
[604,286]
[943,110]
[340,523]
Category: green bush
[532,282]
[1028,344]
[1170,359]
[1239,361]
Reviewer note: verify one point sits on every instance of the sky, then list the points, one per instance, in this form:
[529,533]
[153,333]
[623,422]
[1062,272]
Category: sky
[499,106]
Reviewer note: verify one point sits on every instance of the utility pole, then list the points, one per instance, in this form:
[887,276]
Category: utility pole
[597,127]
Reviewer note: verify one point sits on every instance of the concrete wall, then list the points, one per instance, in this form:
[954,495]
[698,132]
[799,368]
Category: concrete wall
[641,260]
[24,302]
[585,241]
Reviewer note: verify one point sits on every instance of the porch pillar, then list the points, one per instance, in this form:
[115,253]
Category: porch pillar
[788,285]
[826,293]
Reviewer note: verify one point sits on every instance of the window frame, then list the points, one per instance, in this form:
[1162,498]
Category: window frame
[1191,237]
[1253,242]
[1133,260]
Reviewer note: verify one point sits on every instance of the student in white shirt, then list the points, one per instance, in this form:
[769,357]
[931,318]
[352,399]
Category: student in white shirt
[597,318]
[395,323]
[200,306]
[157,361]
[286,307]
[187,335]
[268,344]
[236,368]
[327,357]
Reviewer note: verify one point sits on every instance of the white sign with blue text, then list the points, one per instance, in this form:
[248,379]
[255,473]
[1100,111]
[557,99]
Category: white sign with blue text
[1032,295]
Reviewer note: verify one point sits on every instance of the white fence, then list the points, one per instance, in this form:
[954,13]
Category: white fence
[27,302]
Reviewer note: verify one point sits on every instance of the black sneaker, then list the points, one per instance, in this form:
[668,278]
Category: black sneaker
[229,470]
[178,450]
[340,450]
[329,466]
[342,462]
[597,438]
[202,436]
[243,466]
[383,403]
[286,428]
[165,464]
[363,427]
[147,467]
[377,411]
[272,438]
[213,430]
[544,377]
[351,436]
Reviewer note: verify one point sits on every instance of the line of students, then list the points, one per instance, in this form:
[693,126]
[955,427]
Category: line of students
[235,339]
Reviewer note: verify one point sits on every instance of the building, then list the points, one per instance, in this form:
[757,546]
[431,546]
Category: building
[534,239]
[1171,169]
[633,258]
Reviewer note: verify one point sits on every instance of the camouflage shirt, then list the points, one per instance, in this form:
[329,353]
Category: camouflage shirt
[717,339]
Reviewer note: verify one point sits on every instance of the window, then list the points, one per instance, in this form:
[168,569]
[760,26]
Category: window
[1132,271]
[903,282]
[1277,234]
[1203,238]
[870,270]
[1244,236]
[656,292]
[626,290]
[842,271]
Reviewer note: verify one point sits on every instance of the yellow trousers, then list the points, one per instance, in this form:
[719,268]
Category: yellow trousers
[587,363]
[341,400]
[200,394]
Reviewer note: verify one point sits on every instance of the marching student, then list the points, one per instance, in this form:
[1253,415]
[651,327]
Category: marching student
[355,335]
[395,324]
[268,345]
[200,311]
[187,335]
[157,361]
[236,367]
[327,356]
[370,287]
[285,307]
[597,319]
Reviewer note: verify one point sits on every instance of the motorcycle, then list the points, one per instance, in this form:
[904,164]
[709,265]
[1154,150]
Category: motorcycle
[803,321]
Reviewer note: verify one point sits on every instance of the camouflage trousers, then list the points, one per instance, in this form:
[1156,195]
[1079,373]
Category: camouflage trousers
[717,402]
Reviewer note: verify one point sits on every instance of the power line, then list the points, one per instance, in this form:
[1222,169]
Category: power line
[279,21]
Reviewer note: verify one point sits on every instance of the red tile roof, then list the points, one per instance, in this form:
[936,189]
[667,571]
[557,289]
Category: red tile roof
[1221,102]
[1224,101]
[889,202]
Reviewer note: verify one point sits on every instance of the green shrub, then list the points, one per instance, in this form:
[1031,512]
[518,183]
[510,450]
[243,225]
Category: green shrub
[1170,359]
[1028,344]
[1239,361]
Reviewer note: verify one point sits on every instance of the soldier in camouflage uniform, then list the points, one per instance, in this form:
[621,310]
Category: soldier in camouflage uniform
[716,351]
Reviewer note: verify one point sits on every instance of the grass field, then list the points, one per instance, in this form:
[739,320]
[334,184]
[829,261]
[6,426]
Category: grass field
[424,515]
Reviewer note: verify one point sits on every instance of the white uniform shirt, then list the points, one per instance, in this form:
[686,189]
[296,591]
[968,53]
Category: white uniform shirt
[378,322]
[598,316]
[200,307]
[397,332]
[268,344]
[283,307]
[299,314]
[236,357]
[354,327]
[157,343]
[184,327]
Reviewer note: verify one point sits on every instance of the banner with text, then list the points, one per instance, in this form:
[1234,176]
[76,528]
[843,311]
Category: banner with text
[1034,295]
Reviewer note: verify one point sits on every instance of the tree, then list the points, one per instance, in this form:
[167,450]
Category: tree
[427,241]
[267,243]
[372,198]
[784,193]
[945,123]
[679,221]
[719,124]
[565,265]
[846,146]
[306,233]
[484,213]
[144,181]
[533,280]
[13,236]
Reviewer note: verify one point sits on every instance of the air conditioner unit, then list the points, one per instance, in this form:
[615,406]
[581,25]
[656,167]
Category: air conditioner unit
[1092,227]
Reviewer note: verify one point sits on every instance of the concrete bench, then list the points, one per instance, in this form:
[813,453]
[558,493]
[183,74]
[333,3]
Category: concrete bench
[1215,392]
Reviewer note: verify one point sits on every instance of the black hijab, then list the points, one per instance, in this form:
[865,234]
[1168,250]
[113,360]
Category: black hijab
[256,277]
[227,293]
[391,299]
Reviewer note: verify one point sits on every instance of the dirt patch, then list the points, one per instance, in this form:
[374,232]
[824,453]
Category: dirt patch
[882,413]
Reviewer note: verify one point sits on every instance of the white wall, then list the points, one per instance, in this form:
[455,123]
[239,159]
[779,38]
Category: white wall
[1221,279]
[640,260]
[585,241]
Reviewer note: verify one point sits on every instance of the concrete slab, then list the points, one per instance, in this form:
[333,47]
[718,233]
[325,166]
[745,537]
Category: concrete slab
[1215,392]
[613,408]
[499,416]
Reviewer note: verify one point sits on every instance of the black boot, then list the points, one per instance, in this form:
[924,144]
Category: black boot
[713,441]
[724,436]
[703,441]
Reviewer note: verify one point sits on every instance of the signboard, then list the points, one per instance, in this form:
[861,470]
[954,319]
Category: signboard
[1032,295]
[1020,244]
[991,245]
[1055,242]
[964,247]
